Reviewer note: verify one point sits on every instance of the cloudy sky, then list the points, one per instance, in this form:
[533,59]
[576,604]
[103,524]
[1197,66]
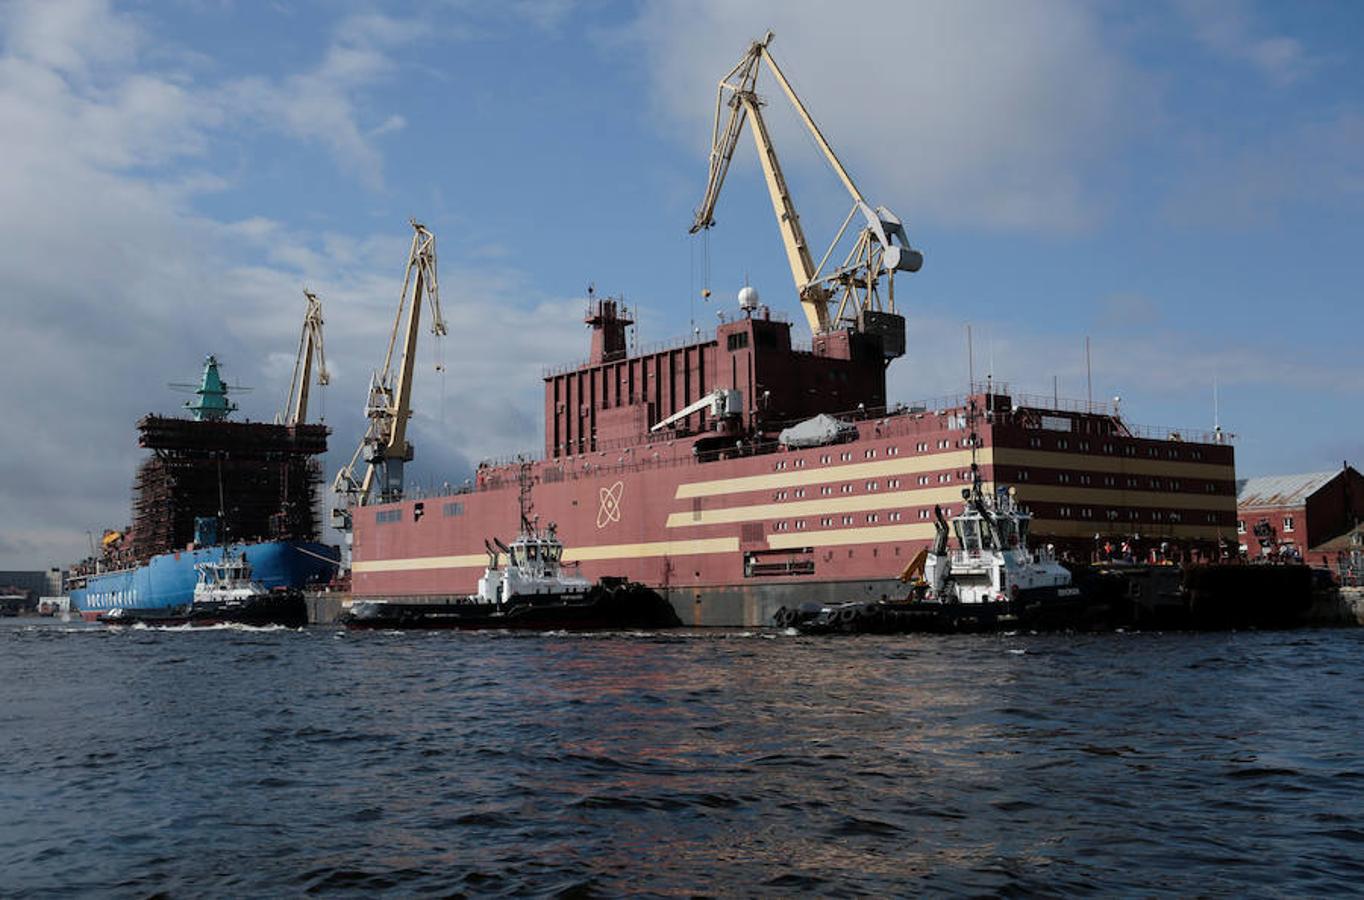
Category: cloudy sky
[1182,182]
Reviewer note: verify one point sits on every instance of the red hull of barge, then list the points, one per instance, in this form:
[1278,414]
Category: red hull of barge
[729,526]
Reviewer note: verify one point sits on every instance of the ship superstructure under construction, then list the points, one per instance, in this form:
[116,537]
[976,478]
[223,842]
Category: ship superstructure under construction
[739,471]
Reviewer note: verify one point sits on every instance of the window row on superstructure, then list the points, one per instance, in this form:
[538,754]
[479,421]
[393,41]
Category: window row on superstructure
[1049,511]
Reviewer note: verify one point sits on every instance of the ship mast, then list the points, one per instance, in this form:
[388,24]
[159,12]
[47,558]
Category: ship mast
[210,403]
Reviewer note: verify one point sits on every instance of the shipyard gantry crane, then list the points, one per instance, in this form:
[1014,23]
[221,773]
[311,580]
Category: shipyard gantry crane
[309,347]
[844,296]
[385,448]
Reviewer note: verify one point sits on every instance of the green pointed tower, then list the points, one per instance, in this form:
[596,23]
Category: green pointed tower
[210,403]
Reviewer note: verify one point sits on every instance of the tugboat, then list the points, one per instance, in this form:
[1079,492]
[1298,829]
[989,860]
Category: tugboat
[225,593]
[991,580]
[533,592]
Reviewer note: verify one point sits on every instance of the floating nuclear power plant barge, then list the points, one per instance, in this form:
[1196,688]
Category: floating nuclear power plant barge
[737,472]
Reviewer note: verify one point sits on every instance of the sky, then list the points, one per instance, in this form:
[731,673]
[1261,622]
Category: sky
[1180,182]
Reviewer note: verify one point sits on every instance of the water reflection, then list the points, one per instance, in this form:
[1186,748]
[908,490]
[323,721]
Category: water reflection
[679,763]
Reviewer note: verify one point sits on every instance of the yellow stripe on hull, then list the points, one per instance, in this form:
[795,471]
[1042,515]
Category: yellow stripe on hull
[878,534]
[862,502]
[571,554]
[820,506]
[1148,530]
[820,474]
[652,548]
[1111,464]
[1115,497]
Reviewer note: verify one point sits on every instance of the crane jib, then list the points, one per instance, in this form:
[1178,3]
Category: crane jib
[857,292]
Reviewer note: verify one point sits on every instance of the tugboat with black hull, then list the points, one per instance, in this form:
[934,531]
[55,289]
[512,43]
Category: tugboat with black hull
[990,581]
[226,593]
[532,592]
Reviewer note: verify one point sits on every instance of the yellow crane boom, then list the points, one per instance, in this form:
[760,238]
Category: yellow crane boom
[309,346]
[843,296]
[385,447]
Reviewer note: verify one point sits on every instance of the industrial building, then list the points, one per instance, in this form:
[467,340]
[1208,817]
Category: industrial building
[1298,515]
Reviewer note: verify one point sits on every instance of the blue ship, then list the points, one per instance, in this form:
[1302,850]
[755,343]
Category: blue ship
[167,581]
[214,489]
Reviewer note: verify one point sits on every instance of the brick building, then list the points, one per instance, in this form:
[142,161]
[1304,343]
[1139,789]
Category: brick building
[1298,513]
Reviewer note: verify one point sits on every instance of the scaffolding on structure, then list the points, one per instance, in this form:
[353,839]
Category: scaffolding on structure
[259,481]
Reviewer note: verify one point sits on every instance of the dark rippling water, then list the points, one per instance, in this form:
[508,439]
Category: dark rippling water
[235,762]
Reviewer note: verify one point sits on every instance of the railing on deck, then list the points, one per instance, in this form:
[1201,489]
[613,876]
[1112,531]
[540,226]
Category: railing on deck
[697,336]
[700,336]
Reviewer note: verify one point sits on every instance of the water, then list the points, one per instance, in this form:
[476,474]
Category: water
[238,762]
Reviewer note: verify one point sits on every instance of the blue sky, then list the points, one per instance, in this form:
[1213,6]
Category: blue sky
[1181,182]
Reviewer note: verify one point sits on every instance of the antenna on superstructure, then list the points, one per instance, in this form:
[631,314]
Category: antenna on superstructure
[973,437]
[1089,380]
[970,360]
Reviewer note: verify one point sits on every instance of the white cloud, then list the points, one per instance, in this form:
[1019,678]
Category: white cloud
[1227,29]
[982,114]
[114,284]
[320,105]
[69,37]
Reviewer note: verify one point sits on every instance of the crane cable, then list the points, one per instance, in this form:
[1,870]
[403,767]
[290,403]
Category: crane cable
[439,347]
[691,284]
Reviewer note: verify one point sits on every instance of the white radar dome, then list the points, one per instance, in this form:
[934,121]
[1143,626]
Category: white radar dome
[748,297]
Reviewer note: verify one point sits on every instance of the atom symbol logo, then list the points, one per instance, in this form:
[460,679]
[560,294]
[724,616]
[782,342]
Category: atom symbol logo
[610,505]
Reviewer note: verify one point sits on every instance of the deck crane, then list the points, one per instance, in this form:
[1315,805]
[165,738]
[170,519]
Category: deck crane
[385,447]
[309,347]
[849,294]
